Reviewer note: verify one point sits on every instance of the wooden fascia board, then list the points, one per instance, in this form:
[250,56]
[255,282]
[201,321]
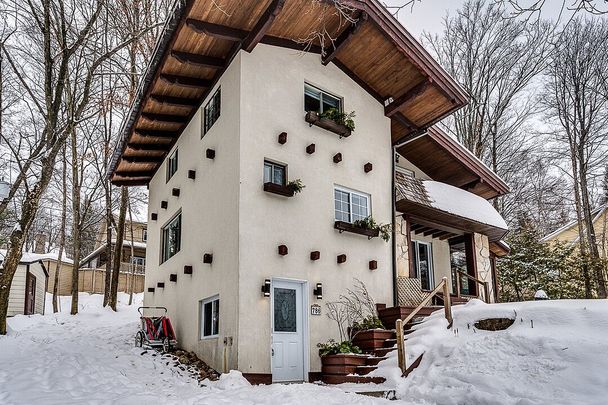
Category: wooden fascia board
[133,173]
[262,26]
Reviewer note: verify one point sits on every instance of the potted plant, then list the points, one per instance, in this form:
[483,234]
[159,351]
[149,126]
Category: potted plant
[296,186]
[333,120]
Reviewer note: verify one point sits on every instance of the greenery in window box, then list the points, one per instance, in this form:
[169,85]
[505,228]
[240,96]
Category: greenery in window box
[296,186]
[370,223]
[333,347]
[340,118]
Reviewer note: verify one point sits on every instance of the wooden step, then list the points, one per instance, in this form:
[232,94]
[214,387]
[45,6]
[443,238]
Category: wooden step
[363,370]
[382,352]
[390,342]
[388,316]
[374,360]
[341,379]
[339,370]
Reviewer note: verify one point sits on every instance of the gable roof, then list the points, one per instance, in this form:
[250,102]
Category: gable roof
[597,213]
[200,40]
[445,159]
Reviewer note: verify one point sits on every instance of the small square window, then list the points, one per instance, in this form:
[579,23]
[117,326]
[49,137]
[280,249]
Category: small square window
[274,173]
[210,317]
[212,111]
[172,165]
[320,101]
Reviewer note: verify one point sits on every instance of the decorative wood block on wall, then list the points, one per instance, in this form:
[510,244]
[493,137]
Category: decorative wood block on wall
[187,269]
[283,250]
[175,192]
[341,259]
[315,255]
[310,149]
[151,289]
[160,285]
[208,258]
[154,216]
[210,153]
[373,264]
[164,205]
[173,277]
[368,167]
[337,157]
[283,138]
[192,174]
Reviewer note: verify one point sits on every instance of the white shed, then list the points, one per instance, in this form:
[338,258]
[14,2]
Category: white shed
[28,290]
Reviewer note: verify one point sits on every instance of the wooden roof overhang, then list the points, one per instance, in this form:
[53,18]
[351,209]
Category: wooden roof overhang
[202,37]
[444,159]
[451,224]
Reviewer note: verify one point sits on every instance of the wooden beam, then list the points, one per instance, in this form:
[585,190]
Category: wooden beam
[183,81]
[343,39]
[439,234]
[143,159]
[149,146]
[289,44]
[263,25]
[156,134]
[216,30]
[430,232]
[413,227]
[131,182]
[399,117]
[447,236]
[134,173]
[400,102]
[422,230]
[174,101]
[198,60]
[164,118]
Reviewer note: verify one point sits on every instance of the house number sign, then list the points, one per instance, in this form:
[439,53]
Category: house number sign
[315,309]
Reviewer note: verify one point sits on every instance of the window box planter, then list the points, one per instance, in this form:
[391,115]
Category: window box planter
[348,227]
[330,125]
[285,191]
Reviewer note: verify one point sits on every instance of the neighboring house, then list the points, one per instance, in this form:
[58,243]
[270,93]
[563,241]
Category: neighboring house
[222,123]
[569,232]
[64,285]
[133,260]
[28,288]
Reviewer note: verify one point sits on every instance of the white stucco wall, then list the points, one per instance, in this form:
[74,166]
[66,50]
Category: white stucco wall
[273,102]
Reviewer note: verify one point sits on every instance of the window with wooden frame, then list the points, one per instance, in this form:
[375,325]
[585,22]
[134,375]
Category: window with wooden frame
[275,173]
[171,238]
[350,205]
[172,164]
[209,317]
[320,101]
[422,255]
[212,110]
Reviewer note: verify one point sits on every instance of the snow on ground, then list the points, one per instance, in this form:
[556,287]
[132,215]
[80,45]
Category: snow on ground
[90,358]
[556,352]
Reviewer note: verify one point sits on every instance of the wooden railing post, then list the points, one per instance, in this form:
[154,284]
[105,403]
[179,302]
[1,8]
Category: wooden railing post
[447,304]
[458,284]
[400,345]
[486,290]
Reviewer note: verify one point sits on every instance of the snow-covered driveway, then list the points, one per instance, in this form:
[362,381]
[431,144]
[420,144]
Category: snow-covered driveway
[90,359]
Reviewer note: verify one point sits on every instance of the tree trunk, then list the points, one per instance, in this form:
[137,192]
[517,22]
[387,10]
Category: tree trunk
[120,228]
[76,229]
[107,283]
[132,255]
[61,233]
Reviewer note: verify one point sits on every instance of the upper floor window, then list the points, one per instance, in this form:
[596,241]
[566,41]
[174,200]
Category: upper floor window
[210,317]
[212,111]
[144,235]
[320,101]
[172,165]
[274,173]
[351,206]
[171,238]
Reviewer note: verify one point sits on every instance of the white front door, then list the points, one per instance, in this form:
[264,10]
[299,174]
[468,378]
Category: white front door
[287,331]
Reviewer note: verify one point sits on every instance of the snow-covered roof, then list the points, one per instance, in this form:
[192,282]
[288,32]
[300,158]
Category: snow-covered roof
[140,245]
[596,214]
[462,203]
[26,257]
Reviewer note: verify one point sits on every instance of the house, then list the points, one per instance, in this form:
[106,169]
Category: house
[27,295]
[133,262]
[235,115]
[569,232]
[52,264]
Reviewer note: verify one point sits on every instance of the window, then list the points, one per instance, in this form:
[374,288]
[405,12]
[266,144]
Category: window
[458,262]
[144,235]
[274,173]
[172,165]
[171,238]
[210,317]
[422,255]
[319,101]
[212,111]
[139,261]
[350,206]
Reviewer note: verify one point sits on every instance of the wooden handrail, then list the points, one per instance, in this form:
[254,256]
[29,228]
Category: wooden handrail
[484,284]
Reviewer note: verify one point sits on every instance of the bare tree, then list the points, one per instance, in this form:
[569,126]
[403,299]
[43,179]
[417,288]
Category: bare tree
[579,114]
[59,263]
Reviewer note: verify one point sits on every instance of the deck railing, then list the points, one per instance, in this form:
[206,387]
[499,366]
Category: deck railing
[484,284]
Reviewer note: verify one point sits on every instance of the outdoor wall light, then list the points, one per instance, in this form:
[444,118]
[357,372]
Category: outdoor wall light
[266,288]
[318,291]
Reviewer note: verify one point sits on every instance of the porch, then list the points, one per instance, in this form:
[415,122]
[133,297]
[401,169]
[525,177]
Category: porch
[444,231]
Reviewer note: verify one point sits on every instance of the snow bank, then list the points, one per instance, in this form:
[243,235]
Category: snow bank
[556,352]
[464,204]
